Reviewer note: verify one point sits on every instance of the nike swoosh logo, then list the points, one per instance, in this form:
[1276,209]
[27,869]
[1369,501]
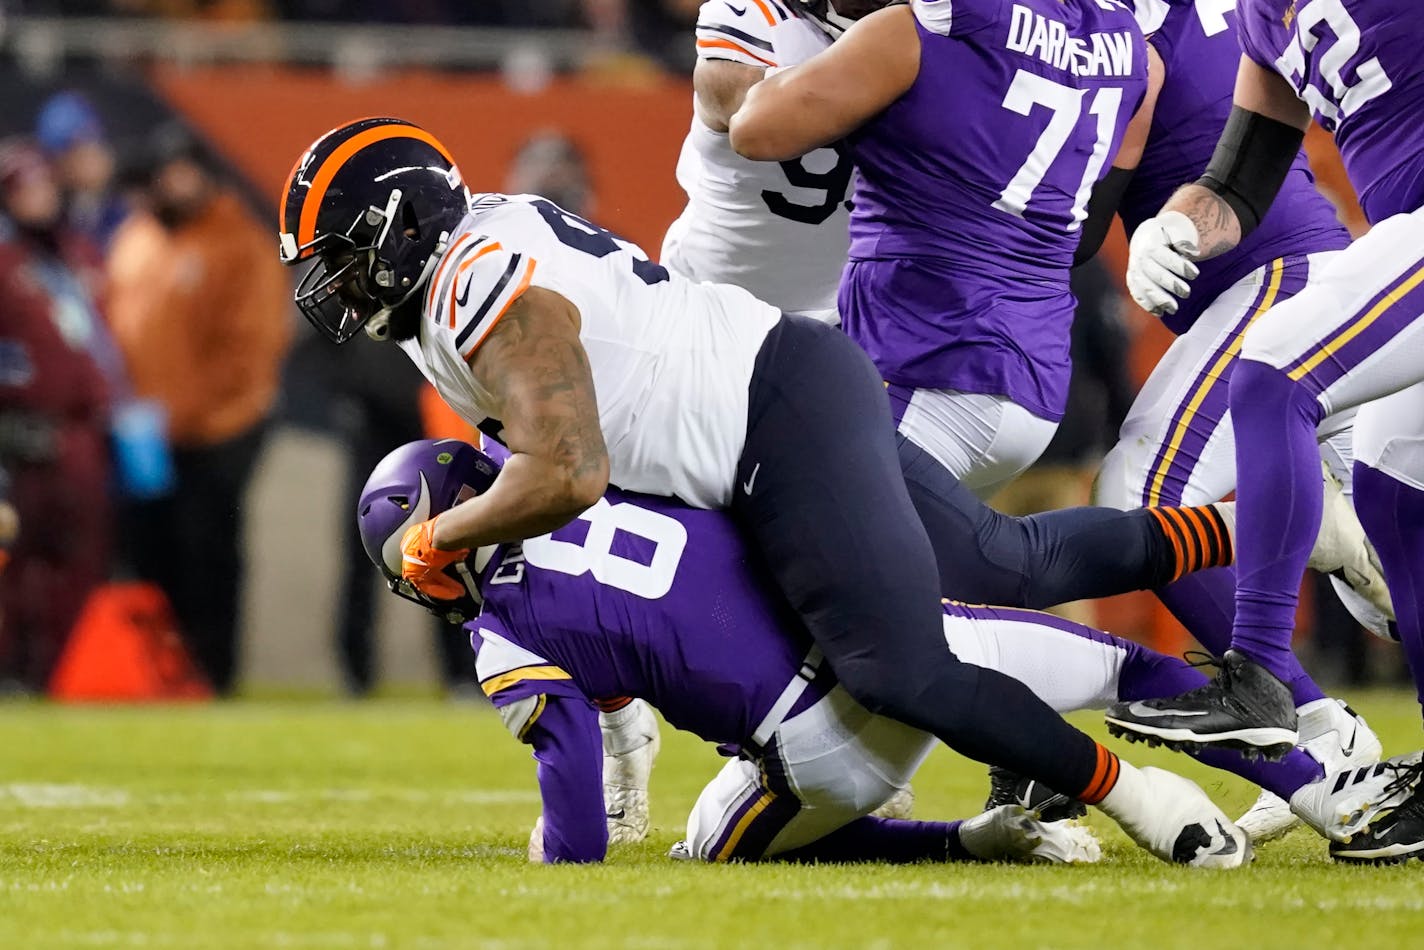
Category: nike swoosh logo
[739,11]
[1348,748]
[617,815]
[747,485]
[463,297]
[1139,709]
[1230,843]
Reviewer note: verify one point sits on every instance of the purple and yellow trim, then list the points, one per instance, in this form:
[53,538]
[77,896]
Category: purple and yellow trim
[1197,417]
[755,823]
[1378,322]
[523,674]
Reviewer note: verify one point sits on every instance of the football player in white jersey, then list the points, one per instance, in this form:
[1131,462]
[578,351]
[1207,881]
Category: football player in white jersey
[779,229]
[596,367]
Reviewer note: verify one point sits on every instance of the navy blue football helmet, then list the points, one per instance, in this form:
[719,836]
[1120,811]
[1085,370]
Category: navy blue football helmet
[373,202]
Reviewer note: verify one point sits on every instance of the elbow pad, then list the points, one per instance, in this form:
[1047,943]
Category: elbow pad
[1250,163]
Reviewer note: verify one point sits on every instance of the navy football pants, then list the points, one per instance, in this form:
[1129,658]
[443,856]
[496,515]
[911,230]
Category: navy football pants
[820,492]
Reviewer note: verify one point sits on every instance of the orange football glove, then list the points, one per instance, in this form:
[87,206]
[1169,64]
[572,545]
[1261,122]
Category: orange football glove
[423,564]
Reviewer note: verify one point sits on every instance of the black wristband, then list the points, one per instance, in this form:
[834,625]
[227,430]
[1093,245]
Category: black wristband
[1251,161]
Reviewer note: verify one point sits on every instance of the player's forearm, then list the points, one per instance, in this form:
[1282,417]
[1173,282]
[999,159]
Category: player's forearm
[569,751]
[1218,229]
[779,120]
[531,497]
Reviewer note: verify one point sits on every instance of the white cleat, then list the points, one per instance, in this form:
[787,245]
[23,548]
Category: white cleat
[1011,833]
[1342,549]
[1342,804]
[630,747]
[1171,817]
[900,807]
[1335,736]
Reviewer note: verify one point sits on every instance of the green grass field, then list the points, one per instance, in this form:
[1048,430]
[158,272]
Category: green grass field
[403,824]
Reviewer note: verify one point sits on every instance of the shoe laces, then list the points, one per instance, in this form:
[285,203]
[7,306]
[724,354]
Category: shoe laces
[1406,777]
[1197,659]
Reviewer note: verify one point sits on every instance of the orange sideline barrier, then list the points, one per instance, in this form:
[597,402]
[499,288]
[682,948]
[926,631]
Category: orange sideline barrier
[125,648]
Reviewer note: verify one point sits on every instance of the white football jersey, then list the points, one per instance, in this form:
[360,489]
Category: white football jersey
[671,359]
[779,229]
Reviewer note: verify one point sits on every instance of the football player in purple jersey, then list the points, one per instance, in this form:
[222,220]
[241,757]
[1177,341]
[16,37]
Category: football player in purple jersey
[978,129]
[647,597]
[779,229]
[1177,444]
[1349,340]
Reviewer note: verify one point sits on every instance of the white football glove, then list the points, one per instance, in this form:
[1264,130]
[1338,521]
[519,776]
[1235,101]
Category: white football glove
[1159,262]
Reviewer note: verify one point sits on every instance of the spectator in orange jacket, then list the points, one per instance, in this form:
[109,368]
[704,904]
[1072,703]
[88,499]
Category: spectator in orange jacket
[201,310]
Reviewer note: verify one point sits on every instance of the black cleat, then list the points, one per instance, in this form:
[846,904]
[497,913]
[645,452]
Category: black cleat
[1006,788]
[1395,837]
[1244,708]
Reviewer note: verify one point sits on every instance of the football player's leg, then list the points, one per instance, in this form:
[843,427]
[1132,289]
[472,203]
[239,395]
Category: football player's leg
[808,794]
[833,519]
[1177,445]
[630,748]
[1389,495]
[1055,557]
[983,441]
[1074,667]
[820,492]
[1352,337]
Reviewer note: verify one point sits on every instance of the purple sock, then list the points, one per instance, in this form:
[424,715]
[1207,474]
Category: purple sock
[1278,494]
[1393,516]
[887,840]
[1282,777]
[1146,674]
[1204,602]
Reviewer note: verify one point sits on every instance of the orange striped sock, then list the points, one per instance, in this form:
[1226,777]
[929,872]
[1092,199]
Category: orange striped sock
[1199,537]
[1105,775]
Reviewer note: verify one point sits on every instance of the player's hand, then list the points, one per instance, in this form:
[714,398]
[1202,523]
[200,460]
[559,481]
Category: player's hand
[423,564]
[1159,262]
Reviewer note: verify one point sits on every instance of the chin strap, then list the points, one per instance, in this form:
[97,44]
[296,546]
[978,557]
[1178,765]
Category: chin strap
[378,327]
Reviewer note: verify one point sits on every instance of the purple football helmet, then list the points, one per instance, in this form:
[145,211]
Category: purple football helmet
[416,482]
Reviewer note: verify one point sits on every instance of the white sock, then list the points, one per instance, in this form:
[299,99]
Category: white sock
[1128,798]
[625,729]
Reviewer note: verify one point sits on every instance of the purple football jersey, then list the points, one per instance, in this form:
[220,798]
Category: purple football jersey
[1357,64]
[972,188]
[1200,50]
[646,597]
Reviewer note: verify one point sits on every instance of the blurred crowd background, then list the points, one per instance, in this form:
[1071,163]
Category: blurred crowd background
[180,456]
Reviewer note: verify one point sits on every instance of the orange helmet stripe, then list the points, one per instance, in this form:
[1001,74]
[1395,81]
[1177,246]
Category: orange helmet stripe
[311,204]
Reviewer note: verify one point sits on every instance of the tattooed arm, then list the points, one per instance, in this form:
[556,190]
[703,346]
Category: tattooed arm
[537,372]
[1252,158]
[1218,229]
